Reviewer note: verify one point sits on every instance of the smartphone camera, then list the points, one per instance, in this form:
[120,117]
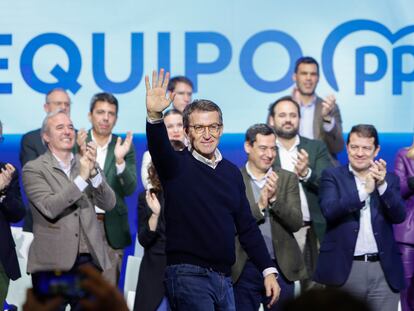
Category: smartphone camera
[58,283]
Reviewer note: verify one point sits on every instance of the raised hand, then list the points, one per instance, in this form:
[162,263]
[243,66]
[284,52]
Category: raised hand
[156,98]
[328,106]
[378,171]
[122,148]
[6,175]
[153,202]
[81,140]
[271,185]
[369,183]
[302,163]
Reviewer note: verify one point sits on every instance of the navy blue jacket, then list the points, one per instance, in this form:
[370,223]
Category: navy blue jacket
[204,208]
[340,204]
[11,210]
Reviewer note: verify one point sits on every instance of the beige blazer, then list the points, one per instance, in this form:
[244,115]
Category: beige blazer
[60,210]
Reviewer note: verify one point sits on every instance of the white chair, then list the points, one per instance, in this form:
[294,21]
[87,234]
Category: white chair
[131,274]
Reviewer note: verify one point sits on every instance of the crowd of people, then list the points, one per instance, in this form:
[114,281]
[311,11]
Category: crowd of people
[215,236]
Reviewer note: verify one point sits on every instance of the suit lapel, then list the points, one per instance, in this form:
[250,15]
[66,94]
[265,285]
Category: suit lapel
[110,156]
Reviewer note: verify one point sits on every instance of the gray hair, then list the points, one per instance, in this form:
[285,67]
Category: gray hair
[45,123]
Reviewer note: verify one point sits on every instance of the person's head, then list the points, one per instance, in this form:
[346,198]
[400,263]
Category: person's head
[306,75]
[203,124]
[173,120]
[260,146]
[58,132]
[57,99]
[182,89]
[103,113]
[362,146]
[284,117]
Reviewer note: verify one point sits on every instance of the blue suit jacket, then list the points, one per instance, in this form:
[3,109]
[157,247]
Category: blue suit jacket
[11,210]
[341,206]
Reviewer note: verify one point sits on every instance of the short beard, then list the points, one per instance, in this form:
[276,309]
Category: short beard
[284,134]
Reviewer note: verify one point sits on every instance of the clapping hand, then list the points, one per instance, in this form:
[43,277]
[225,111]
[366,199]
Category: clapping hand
[122,148]
[302,163]
[81,140]
[6,175]
[328,106]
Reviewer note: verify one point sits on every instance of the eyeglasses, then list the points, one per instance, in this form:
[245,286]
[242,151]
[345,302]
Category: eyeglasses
[212,128]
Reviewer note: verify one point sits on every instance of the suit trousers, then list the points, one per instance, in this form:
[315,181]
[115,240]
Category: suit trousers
[4,285]
[367,282]
[112,274]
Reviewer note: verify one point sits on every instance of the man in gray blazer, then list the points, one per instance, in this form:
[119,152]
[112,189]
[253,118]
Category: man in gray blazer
[275,203]
[62,189]
[320,118]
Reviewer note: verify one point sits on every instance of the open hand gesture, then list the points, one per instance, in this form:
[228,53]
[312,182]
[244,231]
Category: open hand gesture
[302,163]
[81,140]
[156,99]
[328,106]
[122,148]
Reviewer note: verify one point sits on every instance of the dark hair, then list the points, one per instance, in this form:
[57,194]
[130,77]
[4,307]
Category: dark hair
[200,105]
[306,60]
[282,99]
[172,111]
[103,97]
[173,82]
[365,130]
[153,178]
[255,129]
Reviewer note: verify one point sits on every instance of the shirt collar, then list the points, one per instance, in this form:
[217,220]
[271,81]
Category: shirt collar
[249,172]
[104,146]
[280,146]
[62,164]
[212,163]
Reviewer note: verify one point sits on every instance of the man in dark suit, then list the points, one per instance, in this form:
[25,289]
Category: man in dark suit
[275,203]
[321,118]
[31,144]
[361,202]
[117,159]
[307,158]
[11,210]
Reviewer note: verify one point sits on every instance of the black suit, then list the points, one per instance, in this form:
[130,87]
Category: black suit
[150,287]
[11,210]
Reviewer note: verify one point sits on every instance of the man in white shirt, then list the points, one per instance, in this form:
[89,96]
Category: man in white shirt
[117,160]
[320,118]
[361,201]
[307,158]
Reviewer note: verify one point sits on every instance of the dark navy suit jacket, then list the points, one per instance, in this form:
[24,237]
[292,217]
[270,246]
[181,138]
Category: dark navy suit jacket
[341,206]
[11,210]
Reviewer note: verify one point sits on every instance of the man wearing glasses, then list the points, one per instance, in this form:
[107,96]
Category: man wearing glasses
[205,207]
[32,146]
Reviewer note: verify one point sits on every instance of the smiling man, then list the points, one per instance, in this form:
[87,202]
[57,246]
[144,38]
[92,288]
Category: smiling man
[275,203]
[62,189]
[205,207]
[321,118]
[117,160]
[361,201]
